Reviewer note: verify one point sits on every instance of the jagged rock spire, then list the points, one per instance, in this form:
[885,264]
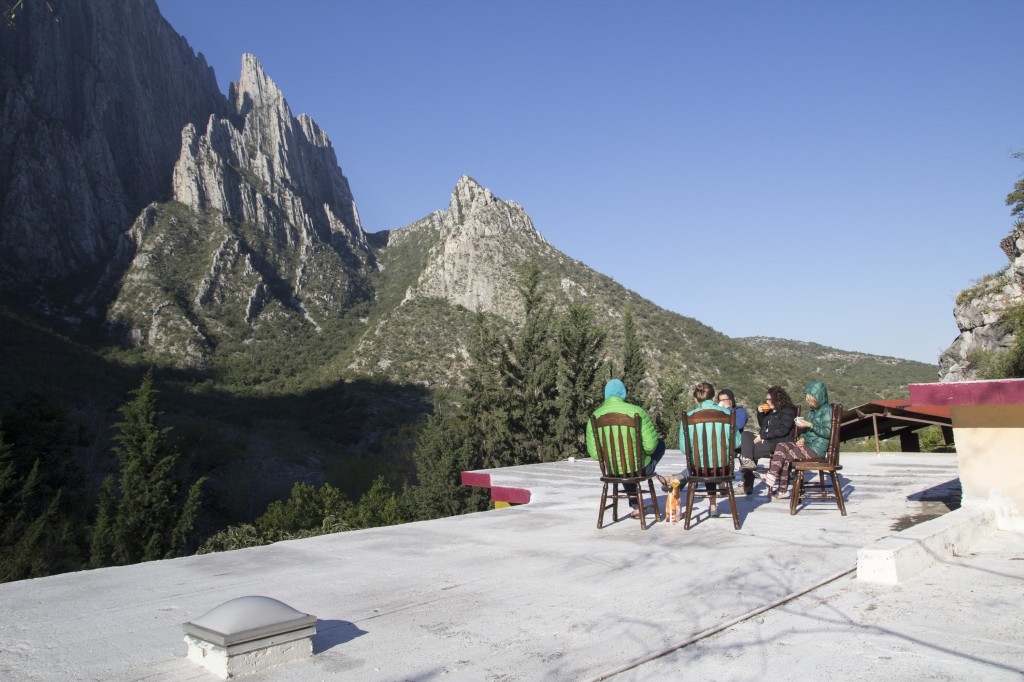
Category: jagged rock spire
[269,167]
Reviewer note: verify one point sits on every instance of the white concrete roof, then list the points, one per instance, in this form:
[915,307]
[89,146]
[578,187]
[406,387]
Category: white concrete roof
[537,592]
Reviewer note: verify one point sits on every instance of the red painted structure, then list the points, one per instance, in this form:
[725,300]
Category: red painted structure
[498,493]
[997,392]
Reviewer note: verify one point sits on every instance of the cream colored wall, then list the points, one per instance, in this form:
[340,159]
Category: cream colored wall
[990,450]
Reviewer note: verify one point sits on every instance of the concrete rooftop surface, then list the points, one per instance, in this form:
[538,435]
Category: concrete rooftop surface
[536,592]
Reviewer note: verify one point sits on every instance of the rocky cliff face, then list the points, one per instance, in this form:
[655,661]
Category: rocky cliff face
[482,243]
[91,112]
[980,314]
[264,223]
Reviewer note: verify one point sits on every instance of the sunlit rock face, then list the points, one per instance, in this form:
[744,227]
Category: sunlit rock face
[483,243]
[263,165]
[979,314]
[264,216]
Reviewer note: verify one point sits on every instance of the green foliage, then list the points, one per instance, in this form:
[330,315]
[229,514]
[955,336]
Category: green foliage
[446,447]
[23,530]
[232,537]
[634,369]
[311,511]
[147,520]
[377,507]
[307,509]
[580,345]
[529,370]
[43,510]
[982,287]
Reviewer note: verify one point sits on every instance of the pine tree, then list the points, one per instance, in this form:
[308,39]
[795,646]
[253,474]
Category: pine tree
[445,448]
[377,507]
[40,533]
[148,520]
[529,368]
[308,508]
[634,368]
[580,347]
[24,530]
[487,402]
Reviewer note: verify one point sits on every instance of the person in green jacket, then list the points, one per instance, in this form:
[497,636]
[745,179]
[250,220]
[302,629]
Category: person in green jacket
[815,432]
[653,445]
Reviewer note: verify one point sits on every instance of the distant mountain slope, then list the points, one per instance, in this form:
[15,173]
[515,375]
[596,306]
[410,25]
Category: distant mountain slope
[246,262]
[852,377]
[434,273]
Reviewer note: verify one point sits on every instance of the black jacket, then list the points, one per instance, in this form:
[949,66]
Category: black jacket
[777,425]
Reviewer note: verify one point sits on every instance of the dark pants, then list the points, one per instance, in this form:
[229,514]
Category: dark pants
[659,452]
[750,451]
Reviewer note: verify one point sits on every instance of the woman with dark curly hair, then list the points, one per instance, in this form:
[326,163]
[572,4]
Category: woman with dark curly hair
[775,419]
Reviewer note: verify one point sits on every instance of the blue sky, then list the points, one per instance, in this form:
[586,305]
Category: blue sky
[852,157]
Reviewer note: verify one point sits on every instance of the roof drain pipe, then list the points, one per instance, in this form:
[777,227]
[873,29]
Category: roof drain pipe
[724,626]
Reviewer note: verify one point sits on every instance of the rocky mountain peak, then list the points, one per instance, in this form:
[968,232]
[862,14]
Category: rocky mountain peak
[469,196]
[485,241]
[269,167]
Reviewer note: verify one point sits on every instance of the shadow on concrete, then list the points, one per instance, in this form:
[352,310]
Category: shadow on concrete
[331,633]
[934,502]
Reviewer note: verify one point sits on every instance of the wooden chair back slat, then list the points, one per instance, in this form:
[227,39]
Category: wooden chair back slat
[832,454]
[708,442]
[618,441]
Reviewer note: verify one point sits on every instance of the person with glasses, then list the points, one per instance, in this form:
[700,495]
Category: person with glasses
[775,420]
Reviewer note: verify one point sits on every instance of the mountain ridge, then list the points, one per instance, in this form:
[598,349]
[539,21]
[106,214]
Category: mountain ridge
[242,268]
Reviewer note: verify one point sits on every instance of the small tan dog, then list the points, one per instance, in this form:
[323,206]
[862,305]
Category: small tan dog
[673,508]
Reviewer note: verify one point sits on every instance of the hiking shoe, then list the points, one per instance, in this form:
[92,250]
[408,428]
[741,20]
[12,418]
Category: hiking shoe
[748,482]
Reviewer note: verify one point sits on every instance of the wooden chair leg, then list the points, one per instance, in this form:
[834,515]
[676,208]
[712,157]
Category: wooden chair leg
[794,495]
[839,492]
[641,506]
[654,500]
[732,505]
[689,504]
[604,505]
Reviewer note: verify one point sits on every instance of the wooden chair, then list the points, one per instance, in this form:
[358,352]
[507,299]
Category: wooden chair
[828,464]
[620,451]
[709,446]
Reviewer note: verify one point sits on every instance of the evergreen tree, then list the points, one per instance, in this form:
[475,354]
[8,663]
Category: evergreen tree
[307,509]
[445,448]
[148,520]
[42,528]
[377,507]
[529,369]
[24,530]
[580,345]
[634,368]
[40,431]
[487,400]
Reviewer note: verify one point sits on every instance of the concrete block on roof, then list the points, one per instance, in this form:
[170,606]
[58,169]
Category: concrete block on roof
[899,557]
[249,634]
